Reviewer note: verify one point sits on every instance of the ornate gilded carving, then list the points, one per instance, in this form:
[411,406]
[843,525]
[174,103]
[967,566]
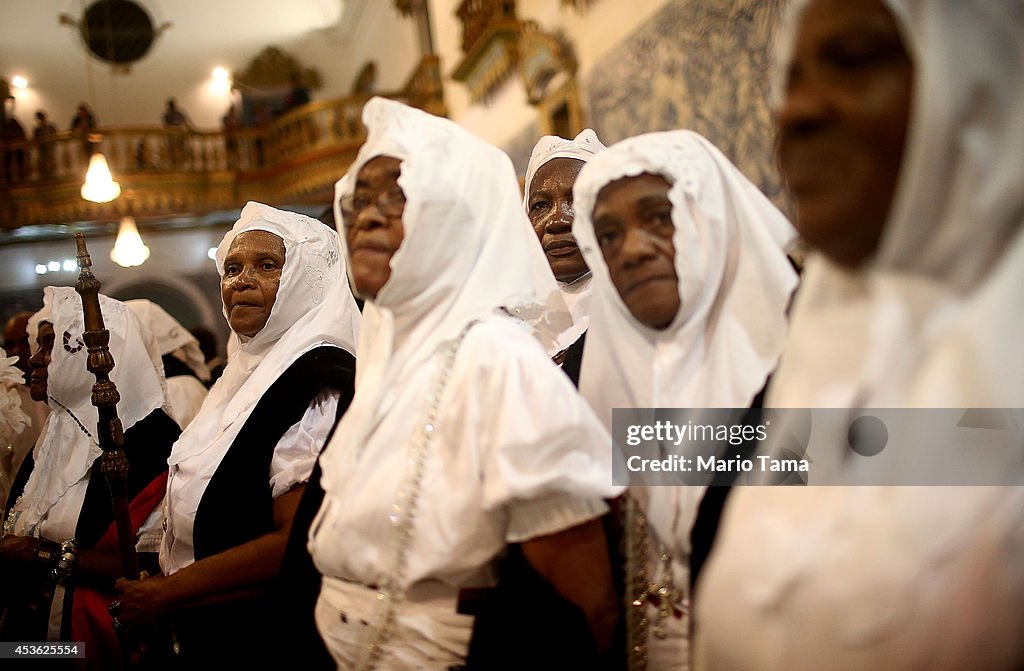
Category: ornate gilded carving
[424,89]
[273,67]
[479,16]
[544,61]
[490,31]
[560,110]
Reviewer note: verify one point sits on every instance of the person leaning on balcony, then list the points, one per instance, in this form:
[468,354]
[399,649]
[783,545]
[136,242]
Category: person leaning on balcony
[231,123]
[14,153]
[43,136]
[239,470]
[82,125]
[298,95]
[177,123]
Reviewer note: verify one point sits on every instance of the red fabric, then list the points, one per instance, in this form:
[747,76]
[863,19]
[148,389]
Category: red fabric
[90,621]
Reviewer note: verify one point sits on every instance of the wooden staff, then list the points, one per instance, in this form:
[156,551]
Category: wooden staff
[114,464]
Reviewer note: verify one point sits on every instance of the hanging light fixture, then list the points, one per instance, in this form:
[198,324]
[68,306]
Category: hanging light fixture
[99,186]
[129,250]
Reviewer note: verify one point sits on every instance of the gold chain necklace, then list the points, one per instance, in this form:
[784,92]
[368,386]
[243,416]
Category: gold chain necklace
[668,598]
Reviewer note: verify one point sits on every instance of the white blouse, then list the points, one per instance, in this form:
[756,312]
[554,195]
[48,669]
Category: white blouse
[865,577]
[294,456]
[185,395]
[515,453]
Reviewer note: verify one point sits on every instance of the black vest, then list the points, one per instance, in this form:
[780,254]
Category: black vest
[238,505]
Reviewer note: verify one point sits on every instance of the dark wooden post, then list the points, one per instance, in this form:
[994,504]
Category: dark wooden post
[105,397]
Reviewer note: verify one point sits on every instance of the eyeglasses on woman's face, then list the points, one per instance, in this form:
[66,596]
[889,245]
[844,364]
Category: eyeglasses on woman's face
[390,203]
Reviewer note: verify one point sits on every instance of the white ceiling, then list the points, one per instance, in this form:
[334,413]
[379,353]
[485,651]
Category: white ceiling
[204,34]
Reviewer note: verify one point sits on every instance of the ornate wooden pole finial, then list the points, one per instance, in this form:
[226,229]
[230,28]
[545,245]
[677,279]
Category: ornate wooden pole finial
[105,396]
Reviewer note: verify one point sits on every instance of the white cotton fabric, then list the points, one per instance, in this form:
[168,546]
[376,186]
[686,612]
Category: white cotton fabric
[735,281]
[171,337]
[15,424]
[575,294]
[313,307]
[868,577]
[299,447]
[12,418]
[434,635]
[514,453]
[185,394]
[52,500]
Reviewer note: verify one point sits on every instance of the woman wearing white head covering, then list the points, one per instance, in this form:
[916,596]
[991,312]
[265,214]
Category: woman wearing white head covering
[691,283]
[239,468]
[554,166]
[906,161]
[463,436]
[60,493]
[184,367]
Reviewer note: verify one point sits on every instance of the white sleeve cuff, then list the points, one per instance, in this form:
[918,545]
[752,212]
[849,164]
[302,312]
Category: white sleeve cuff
[541,517]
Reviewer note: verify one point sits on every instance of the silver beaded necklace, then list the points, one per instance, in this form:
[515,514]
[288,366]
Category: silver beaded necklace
[401,519]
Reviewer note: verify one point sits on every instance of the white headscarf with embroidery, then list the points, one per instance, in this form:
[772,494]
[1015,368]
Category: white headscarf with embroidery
[67,448]
[313,307]
[171,337]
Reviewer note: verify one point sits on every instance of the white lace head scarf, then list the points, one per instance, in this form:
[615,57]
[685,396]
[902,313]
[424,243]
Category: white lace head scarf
[314,306]
[65,453]
[171,337]
[466,250]
[952,234]
[12,418]
[576,294]
[734,284]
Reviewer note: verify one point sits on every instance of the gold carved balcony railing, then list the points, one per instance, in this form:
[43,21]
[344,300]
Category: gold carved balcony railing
[479,16]
[296,158]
